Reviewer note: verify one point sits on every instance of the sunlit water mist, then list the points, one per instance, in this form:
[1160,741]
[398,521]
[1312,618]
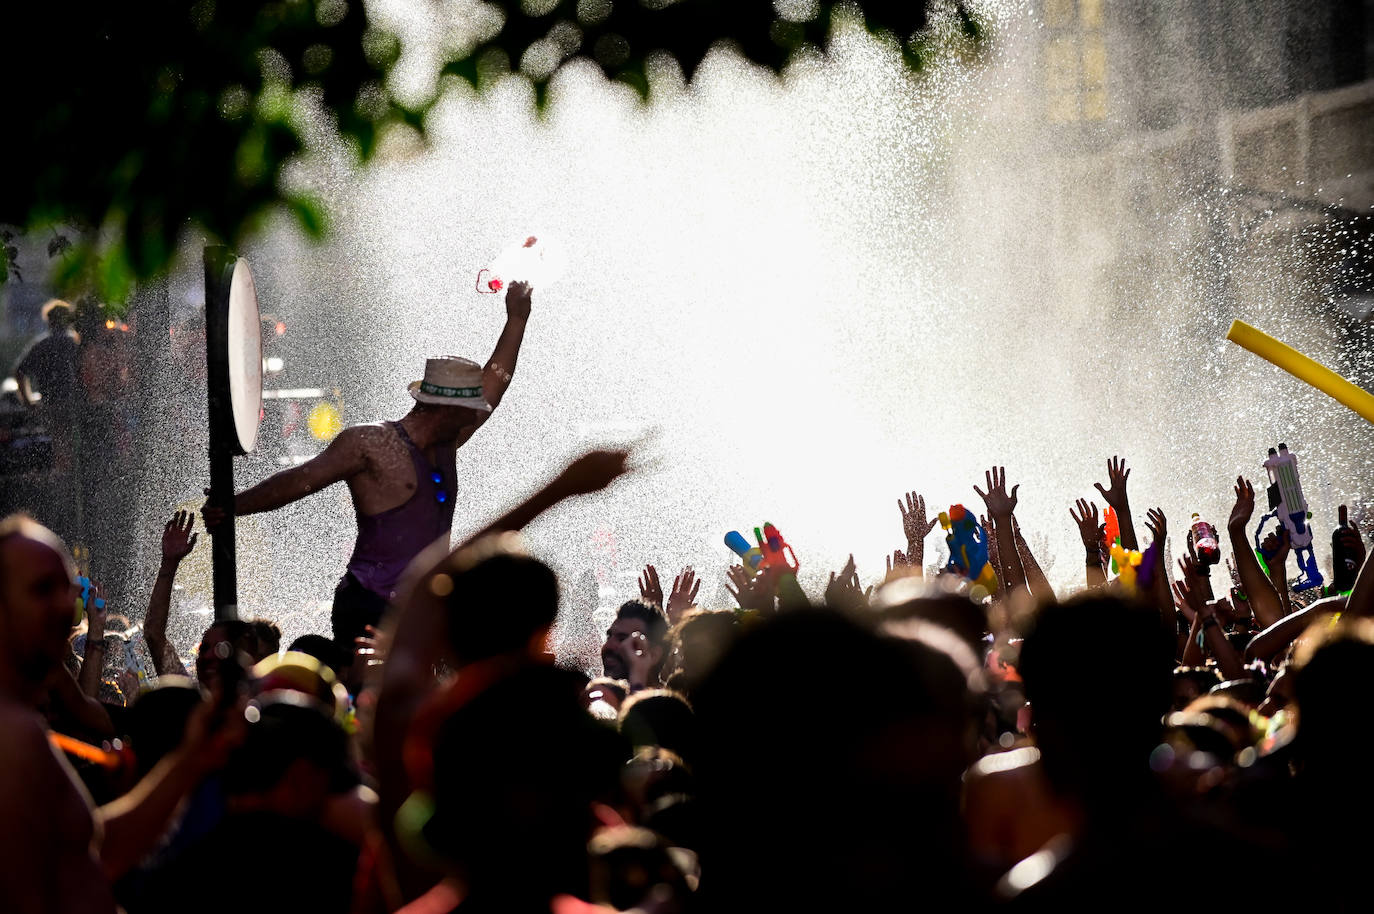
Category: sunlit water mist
[820,294]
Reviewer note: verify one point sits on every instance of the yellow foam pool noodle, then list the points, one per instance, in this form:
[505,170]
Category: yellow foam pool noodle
[1304,369]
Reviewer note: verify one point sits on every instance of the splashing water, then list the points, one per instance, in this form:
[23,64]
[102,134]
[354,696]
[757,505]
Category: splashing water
[822,293]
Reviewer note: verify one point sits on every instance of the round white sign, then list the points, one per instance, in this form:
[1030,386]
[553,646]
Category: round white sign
[245,356]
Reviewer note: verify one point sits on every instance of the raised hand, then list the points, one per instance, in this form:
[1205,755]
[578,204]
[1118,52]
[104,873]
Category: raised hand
[897,566]
[96,612]
[1157,524]
[684,594]
[914,522]
[1244,507]
[751,591]
[1000,503]
[1115,493]
[1196,574]
[1277,543]
[1189,599]
[177,538]
[1349,537]
[1089,527]
[843,591]
[650,589]
[518,299]
[593,472]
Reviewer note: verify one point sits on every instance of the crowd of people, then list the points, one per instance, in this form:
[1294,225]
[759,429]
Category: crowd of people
[951,740]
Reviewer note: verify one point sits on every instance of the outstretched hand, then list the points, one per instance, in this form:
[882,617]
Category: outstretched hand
[1000,503]
[1115,493]
[752,591]
[1089,528]
[1189,599]
[898,566]
[1349,537]
[593,472]
[915,524]
[1244,507]
[177,538]
[1277,543]
[650,589]
[518,299]
[683,595]
[1157,524]
[843,590]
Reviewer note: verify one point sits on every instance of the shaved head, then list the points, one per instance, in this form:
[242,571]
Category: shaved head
[37,602]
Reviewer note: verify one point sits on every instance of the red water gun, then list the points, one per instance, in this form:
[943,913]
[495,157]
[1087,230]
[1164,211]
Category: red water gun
[776,552]
[1113,535]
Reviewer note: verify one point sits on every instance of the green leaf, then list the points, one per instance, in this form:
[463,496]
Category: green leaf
[309,213]
[465,69]
[635,77]
[541,97]
[115,276]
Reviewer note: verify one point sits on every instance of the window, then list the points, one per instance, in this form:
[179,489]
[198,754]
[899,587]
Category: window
[1075,61]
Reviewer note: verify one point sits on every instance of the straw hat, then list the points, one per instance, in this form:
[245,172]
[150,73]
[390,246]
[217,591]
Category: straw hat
[451,381]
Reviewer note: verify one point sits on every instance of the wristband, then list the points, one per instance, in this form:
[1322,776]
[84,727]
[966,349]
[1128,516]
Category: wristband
[1094,558]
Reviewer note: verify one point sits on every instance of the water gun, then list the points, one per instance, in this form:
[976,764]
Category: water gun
[1289,507]
[751,556]
[775,550]
[1113,535]
[84,600]
[968,547]
[1128,560]
[771,554]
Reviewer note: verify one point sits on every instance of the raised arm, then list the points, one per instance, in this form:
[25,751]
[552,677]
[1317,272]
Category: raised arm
[1279,544]
[93,660]
[917,527]
[134,822]
[1035,576]
[1264,600]
[1274,639]
[1361,601]
[417,627]
[1090,532]
[500,368]
[345,457]
[417,641]
[1115,496]
[1001,504]
[177,543]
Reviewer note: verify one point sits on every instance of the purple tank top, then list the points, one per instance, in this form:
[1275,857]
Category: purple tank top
[387,542]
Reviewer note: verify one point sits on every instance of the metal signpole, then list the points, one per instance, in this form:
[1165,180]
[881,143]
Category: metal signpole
[233,355]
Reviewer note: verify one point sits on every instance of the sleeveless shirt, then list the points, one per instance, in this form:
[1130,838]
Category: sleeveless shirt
[387,542]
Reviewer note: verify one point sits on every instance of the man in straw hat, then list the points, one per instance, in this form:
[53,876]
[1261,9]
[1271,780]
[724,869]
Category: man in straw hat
[400,474]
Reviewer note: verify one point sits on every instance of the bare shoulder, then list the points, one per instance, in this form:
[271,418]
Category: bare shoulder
[365,439]
[26,756]
[370,433]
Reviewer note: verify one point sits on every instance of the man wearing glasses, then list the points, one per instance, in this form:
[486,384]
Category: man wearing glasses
[400,474]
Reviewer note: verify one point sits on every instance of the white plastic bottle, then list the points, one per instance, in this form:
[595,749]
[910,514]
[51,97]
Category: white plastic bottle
[533,260]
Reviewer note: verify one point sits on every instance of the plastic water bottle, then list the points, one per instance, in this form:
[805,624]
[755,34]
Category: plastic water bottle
[1203,536]
[532,259]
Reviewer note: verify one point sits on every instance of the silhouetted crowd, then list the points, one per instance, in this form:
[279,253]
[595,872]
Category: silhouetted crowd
[953,738]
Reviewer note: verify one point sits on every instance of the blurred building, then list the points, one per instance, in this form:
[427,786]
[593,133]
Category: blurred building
[1232,127]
